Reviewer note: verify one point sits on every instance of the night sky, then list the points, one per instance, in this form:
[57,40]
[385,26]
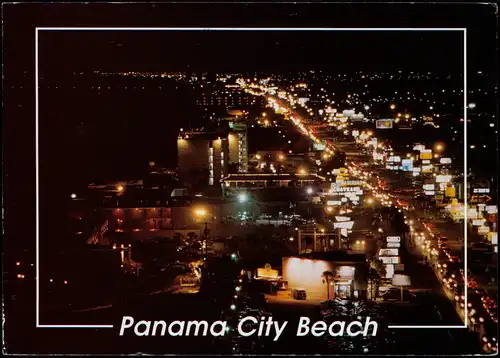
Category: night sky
[229,51]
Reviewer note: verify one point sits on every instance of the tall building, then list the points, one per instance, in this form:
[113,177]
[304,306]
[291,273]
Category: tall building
[202,158]
[238,146]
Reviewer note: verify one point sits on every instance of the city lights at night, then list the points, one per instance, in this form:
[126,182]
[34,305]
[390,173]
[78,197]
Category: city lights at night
[260,183]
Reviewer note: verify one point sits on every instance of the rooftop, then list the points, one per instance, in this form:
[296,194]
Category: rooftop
[335,256]
[266,177]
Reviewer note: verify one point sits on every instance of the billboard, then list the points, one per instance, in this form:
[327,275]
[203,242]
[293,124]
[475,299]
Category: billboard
[343,225]
[426,154]
[407,165]
[390,259]
[491,209]
[477,222]
[334,202]
[426,168]
[342,218]
[481,190]
[393,238]
[472,213]
[388,252]
[348,112]
[450,192]
[344,272]
[493,238]
[267,272]
[383,124]
[443,178]
[394,159]
[317,147]
[357,117]
[445,161]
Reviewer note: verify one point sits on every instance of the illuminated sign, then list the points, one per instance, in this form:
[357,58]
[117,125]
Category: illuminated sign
[472,213]
[417,169]
[401,280]
[389,259]
[342,218]
[491,209]
[426,154]
[319,146]
[443,178]
[493,237]
[427,161]
[428,187]
[388,252]
[426,168]
[394,159]
[450,192]
[334,202]
[483,229]
[393,244]
[445,160]
[407,165]
[383,124]
[393,238]
[337,189]
[389,270]
[345,272]
[355,133]
[343,225]
[346,183]
[419,147]
[267,272]
[481,191]
[429,192]
[348,112]
[477,222]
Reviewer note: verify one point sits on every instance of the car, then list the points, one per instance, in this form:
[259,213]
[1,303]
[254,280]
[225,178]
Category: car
[299,294]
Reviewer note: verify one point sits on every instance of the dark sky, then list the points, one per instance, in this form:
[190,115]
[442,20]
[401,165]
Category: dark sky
[249,51]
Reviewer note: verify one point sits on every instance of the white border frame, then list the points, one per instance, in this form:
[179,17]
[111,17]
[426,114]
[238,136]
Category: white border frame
[37,29]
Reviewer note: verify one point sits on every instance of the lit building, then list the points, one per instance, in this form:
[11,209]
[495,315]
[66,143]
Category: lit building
[227,96]
[238,146]
[202,157]
[259,181]
[327,275]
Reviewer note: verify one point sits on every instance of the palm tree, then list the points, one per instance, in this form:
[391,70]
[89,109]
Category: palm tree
[327,276]
[375,274]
